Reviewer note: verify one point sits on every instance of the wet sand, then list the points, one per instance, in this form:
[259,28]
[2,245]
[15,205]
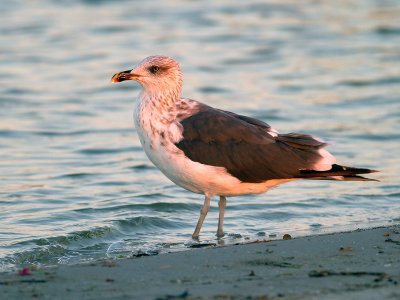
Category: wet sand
[363,264]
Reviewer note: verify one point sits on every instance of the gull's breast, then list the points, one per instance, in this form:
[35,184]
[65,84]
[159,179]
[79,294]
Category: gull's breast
[155,138]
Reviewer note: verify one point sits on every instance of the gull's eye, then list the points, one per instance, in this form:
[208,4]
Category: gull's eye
[154,69]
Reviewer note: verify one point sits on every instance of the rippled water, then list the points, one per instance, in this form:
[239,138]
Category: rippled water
[74,182]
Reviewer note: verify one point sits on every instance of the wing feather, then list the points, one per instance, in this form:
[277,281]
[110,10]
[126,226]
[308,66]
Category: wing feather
[244,146]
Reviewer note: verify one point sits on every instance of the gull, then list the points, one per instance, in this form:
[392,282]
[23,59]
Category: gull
[219,153]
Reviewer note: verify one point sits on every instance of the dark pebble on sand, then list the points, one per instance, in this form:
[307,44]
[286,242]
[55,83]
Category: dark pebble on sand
[287,237]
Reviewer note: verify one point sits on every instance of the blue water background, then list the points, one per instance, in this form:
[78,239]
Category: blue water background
[74,182]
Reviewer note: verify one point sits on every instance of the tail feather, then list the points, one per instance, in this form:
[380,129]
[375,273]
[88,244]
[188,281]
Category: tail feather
[337,172]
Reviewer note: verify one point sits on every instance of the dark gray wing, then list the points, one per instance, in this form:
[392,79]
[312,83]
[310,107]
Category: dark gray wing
[243,146]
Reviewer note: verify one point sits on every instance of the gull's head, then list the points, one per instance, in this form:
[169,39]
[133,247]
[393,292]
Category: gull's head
[155,74]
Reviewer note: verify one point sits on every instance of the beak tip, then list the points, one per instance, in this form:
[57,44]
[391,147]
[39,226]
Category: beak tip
[115,78]
[122,76]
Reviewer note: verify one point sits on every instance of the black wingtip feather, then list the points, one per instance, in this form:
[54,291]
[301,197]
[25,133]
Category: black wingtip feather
[337,171]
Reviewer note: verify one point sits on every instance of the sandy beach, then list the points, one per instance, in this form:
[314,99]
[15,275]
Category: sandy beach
[363,264]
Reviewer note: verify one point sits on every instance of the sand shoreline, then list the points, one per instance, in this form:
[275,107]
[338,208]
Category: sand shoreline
[362,264]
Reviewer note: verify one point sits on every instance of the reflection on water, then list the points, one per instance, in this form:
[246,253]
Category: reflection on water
[74,182]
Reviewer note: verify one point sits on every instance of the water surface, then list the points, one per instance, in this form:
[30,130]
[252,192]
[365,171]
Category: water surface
[74,182]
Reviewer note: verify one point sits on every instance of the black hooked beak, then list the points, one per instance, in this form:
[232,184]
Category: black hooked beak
[125,75]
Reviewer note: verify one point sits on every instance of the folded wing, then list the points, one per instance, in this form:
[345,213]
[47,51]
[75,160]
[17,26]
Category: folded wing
[247,148]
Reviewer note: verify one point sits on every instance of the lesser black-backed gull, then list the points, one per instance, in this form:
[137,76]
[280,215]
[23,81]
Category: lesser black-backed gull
[215,152]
